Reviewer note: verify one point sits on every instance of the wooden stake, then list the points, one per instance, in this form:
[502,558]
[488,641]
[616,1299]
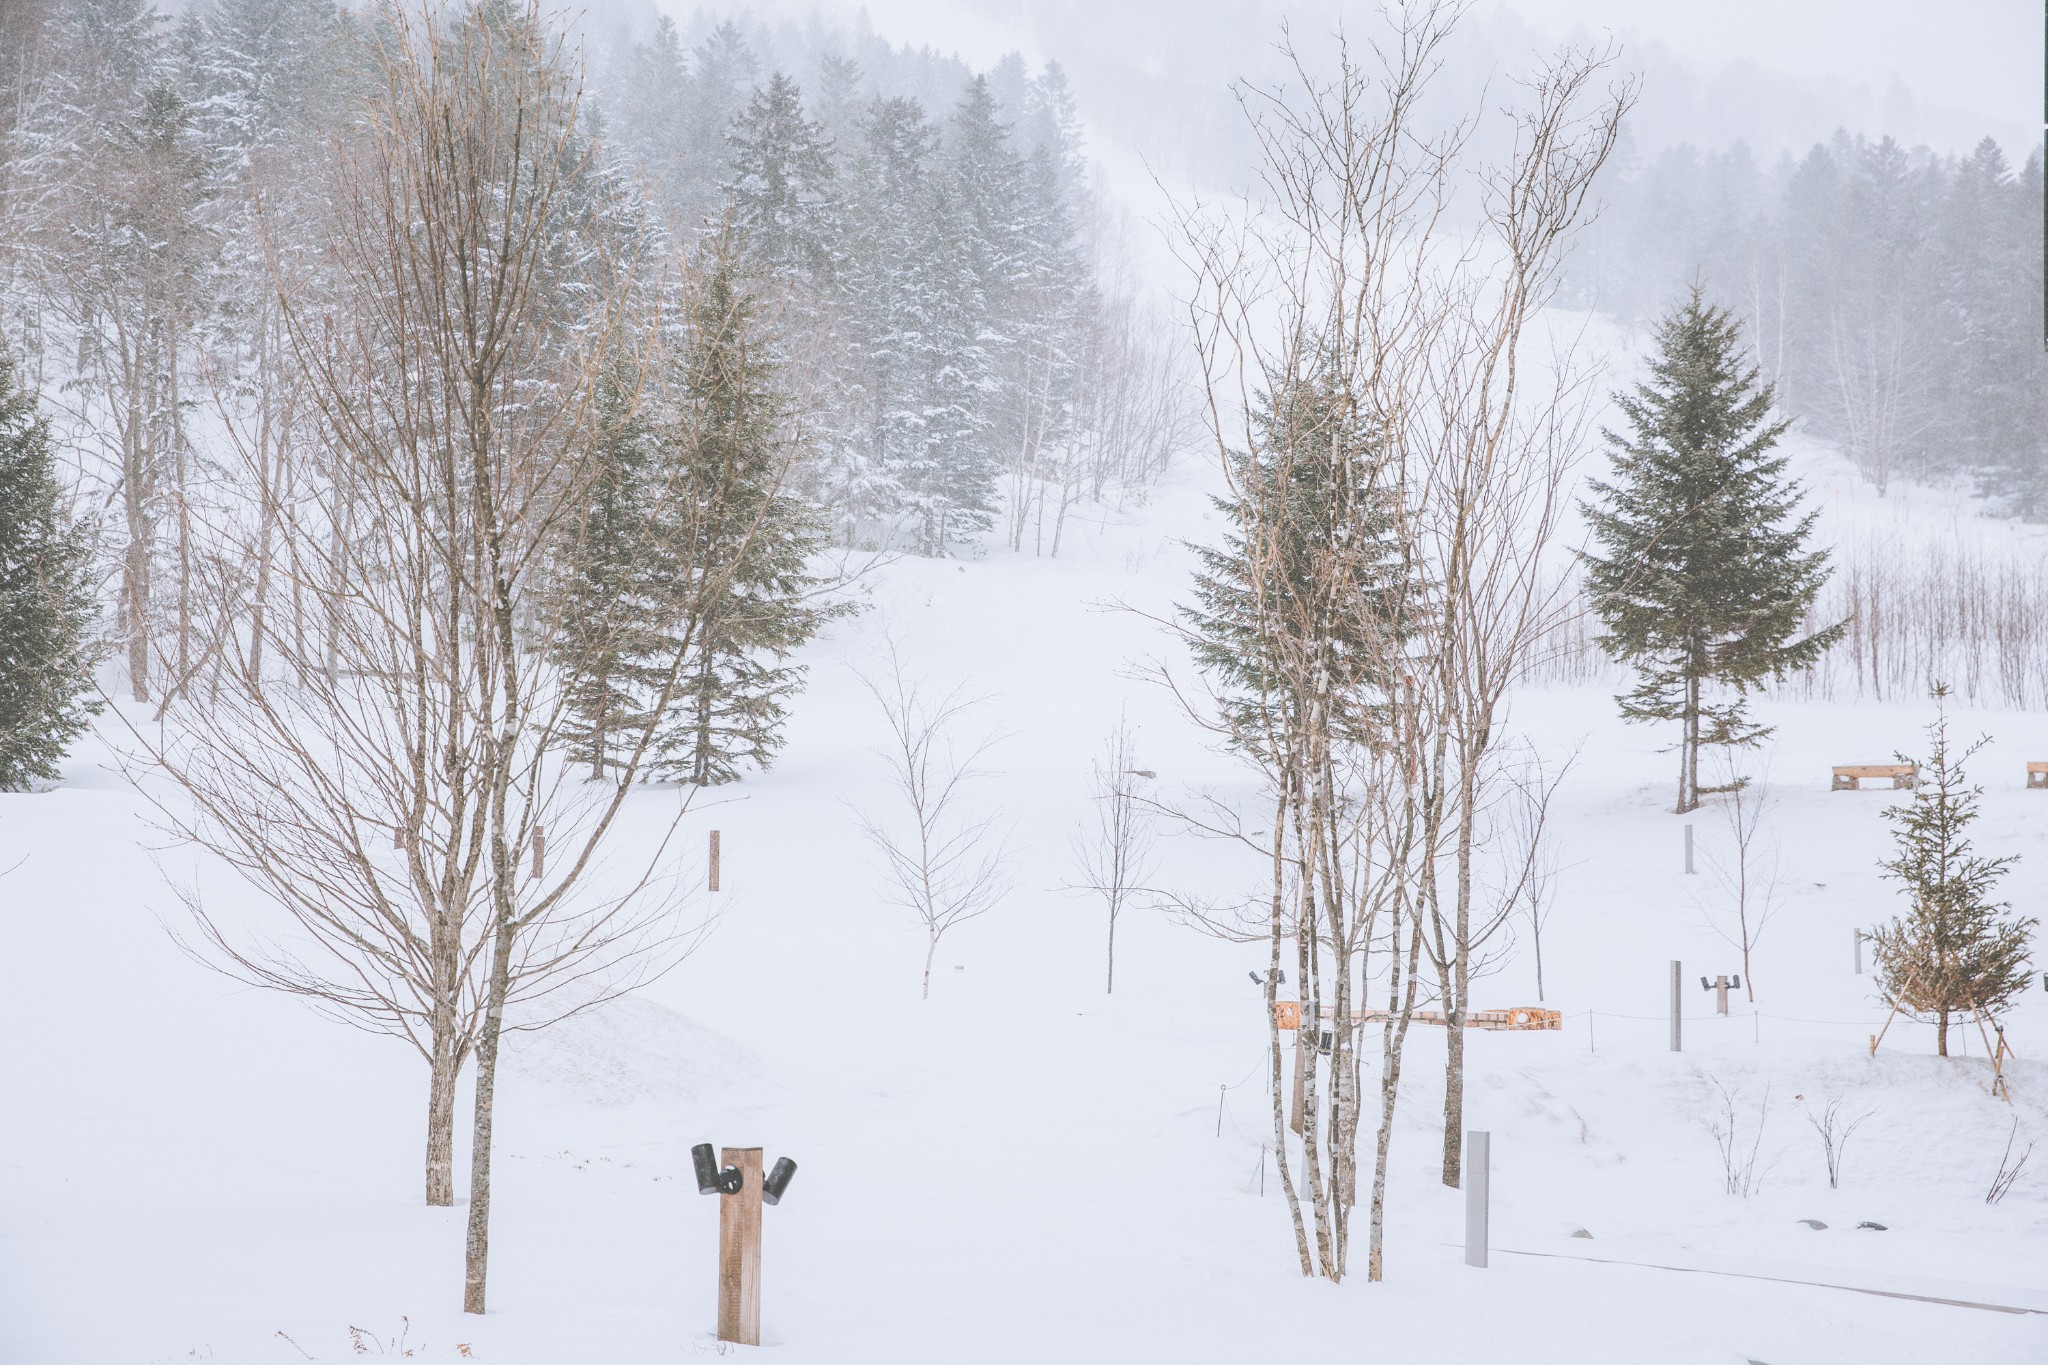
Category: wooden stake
[713,885]
[739,1250]
[1998,1055]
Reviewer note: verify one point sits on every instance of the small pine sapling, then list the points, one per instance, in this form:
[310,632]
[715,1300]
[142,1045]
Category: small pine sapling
[1956,951]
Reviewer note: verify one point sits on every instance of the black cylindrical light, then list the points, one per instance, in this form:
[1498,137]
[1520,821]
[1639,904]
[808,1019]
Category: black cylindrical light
[778,1180]
[706,1162]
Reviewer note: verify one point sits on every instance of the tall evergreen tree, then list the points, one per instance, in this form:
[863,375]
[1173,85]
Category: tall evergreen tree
[891,280]
[1299,616]
[722,73]
[1705,579]
[1953,952]
[600,611]
[780,186]
[730,541]
[46,601]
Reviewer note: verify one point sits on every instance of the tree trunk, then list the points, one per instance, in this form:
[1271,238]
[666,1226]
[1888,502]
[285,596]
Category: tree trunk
[443,1069]
[1276,925]
[135,560]
[477,1243]
[931,949]
[1109,987]
[1941,1038]
[1394,1038]
[706,692]
[1461,978]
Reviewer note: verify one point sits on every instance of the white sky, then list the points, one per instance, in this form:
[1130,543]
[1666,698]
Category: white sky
[1977,63]
[1982,57]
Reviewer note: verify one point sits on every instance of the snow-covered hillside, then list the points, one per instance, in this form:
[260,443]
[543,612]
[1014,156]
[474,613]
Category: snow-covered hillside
[1023,1169]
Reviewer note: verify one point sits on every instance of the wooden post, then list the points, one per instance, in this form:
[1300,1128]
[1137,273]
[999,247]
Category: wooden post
[1677,978]
[739,1250]
[713,885]
[1721,994]
[1478,1170]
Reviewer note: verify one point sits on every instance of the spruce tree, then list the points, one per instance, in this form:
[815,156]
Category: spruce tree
[46,601]
[894,265]
[1704,579]
[1953,952]
[730,542]
[780,184]
[1302,608]
[599,606]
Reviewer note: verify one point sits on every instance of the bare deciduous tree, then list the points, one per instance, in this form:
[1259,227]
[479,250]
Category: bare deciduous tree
[384,779]
[941,858]
[1350,285]
[1745,871]
[1532,862]
[1113,847]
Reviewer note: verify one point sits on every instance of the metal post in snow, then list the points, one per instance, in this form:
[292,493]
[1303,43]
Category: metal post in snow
[1478,1171]
[1688,851]
[1859,952]
[1677,976]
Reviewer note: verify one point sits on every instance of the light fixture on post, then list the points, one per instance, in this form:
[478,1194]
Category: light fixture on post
[778,1180]
[736,1173]
[1721,985]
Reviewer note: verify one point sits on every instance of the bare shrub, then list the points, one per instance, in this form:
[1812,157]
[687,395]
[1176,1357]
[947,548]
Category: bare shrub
[1739,1173]
[1834,1131]
[1955,610]
[1974,617]
[2008,1169]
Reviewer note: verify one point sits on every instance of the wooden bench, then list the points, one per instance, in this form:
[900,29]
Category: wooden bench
[1903,775]
[2037,777]
[1520,1018]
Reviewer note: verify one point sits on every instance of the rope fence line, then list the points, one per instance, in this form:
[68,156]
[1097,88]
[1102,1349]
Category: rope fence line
[1708,1018]
[1592,1016]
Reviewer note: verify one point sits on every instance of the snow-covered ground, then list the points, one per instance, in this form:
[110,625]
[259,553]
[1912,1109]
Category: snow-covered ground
[1023,1169]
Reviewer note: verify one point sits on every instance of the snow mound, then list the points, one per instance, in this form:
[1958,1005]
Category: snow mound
[632,1049]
